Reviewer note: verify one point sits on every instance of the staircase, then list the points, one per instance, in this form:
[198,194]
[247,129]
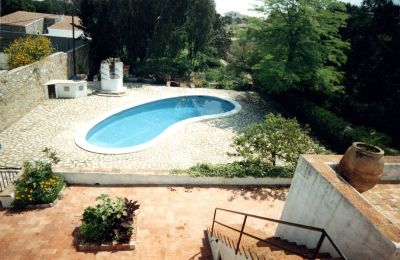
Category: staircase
[241,242]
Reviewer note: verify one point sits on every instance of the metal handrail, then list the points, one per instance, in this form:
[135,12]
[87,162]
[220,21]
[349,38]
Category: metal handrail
[7,176]
[316,250]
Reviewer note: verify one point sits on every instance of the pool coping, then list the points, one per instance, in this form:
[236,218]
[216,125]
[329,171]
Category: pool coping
[80,136]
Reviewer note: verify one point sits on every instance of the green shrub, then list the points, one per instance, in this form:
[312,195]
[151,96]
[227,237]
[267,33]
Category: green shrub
[27,50]
[366,135]
[239,169]
[333,128]
[110,220]
[223,78]
[38,185]
[277,138]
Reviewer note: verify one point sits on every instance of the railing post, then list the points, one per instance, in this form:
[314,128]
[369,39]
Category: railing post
[212,227]
[240,236]
[321,240]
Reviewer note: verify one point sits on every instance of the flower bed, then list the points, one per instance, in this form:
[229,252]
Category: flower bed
[38,186]
[110,225]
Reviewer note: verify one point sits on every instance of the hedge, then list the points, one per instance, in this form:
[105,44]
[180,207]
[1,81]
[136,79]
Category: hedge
[339,133]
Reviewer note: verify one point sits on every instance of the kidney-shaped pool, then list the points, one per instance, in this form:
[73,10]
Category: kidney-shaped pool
[142,126]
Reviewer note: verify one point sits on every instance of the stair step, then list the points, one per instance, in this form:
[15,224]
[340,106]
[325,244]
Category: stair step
[271,249]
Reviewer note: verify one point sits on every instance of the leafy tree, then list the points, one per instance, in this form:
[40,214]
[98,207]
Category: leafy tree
[298,45]
[11,6]
[148,31]
[372,72]
[200,18]
[27,50]
[45,6]
[275,139]
[52,6]
[221,36]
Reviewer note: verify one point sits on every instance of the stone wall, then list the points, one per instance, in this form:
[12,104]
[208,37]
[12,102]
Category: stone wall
[21,89]
[82,60]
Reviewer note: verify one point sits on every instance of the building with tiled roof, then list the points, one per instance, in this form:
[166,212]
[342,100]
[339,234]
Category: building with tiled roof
[63,28]
[39,23]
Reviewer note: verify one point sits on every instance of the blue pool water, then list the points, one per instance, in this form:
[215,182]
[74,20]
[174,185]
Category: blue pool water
[141,124]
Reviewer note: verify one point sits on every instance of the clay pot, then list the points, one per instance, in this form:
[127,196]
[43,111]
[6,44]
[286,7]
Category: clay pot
[362,166]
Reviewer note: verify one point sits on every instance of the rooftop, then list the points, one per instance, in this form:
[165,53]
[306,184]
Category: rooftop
[23,18]
[65,23]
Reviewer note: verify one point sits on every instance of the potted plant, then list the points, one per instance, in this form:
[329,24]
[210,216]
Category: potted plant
[110,225]
[362,165]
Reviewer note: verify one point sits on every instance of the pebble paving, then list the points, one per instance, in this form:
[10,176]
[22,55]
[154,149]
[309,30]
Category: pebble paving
[55,122]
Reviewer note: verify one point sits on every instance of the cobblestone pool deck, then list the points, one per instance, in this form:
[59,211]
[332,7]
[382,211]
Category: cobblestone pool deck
[55,122]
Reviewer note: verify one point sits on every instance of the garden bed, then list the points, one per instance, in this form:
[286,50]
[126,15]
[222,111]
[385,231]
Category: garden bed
[51,204]
[112,246]
[109,225]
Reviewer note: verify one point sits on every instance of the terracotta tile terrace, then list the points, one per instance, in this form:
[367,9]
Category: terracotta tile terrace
[171,221]
[386,198]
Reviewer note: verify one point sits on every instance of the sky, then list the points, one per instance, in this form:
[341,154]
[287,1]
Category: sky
[243,6]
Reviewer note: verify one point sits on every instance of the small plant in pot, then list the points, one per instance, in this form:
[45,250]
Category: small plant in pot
[362,166]
[110,221]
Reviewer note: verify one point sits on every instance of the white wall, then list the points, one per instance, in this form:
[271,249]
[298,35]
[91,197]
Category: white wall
[64,33]
[314,201]
[73,91]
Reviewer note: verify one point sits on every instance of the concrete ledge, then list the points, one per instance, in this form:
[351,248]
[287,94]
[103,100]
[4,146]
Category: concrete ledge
[89,176]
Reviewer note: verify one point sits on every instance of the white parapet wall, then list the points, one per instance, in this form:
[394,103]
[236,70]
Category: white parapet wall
[318,197]
[89,176]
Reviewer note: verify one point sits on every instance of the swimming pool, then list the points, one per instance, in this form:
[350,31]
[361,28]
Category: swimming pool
[144,125]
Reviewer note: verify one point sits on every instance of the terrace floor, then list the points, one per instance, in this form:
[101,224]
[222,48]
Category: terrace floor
[171,221]
[55,122]
[386,198]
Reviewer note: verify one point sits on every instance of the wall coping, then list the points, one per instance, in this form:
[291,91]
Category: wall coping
[321,163]
[31,64]
[114,176]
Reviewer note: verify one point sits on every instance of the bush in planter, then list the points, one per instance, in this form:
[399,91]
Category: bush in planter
[276,139]
[110,220]
[38,185]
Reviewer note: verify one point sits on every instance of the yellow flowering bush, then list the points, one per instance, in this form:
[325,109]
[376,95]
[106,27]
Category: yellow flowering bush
[27,50]
[38,185]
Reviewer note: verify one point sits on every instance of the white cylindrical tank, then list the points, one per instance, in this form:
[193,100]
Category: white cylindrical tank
[105,71]
[119,69]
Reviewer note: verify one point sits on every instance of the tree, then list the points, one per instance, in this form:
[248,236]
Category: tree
[11,6]
[199,22]
[372,72]
[221,36]
[298,46]
[27,50]
[164,32]
[275,139]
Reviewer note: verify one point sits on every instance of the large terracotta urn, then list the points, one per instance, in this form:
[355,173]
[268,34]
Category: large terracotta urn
[362,166]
